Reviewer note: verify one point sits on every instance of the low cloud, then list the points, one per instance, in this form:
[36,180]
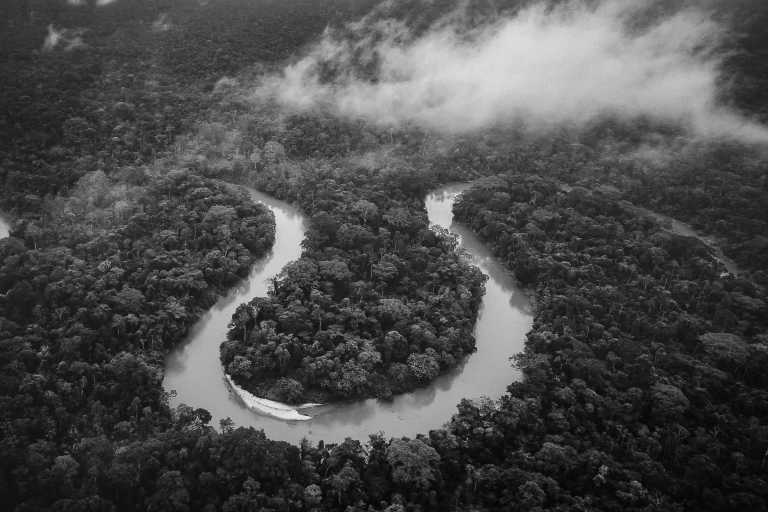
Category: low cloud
[67,39]
[541,67]
[161,23]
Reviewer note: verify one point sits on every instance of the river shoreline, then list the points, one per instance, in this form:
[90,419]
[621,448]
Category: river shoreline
[194,370]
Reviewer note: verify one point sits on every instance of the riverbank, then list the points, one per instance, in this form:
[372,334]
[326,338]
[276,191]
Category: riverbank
[193,370]
[638,337]
[503,319]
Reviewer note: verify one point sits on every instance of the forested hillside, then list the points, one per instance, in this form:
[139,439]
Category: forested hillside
[124,129]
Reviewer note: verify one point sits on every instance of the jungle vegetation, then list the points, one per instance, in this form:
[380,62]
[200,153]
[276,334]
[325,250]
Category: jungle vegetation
[644,385]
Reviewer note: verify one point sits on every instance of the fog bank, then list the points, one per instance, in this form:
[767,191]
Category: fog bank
[68,39]
[541,67]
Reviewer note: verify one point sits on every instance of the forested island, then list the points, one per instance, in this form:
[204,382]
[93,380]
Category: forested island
[377,304]
[127,127]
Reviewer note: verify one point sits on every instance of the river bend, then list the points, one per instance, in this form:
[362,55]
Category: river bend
[195,372]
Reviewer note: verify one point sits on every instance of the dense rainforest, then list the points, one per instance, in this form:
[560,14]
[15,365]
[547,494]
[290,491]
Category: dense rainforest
[124,126]
[377,304]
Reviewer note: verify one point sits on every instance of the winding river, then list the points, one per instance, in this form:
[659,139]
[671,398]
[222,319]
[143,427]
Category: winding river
[195,372]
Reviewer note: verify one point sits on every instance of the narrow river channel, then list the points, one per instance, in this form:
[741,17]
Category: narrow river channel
[195,372]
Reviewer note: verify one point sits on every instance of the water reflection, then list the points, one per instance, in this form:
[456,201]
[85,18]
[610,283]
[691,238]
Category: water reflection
[194,370]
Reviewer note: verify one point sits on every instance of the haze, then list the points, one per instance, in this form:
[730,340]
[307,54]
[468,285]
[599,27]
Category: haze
[541,67]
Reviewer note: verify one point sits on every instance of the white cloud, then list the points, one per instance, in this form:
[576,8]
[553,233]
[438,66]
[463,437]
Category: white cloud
[68,39]
[161,24]
[540,67]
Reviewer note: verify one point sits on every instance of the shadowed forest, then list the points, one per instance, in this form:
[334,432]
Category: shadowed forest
[128,125]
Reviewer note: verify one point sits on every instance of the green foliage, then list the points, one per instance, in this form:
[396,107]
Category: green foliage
[413,463]
[643,362]
[93,302]
[378,303]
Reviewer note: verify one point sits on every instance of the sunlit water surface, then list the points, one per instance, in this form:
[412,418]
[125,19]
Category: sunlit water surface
[196,374]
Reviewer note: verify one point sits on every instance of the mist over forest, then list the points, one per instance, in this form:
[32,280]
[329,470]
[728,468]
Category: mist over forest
[398,255]
[529,67]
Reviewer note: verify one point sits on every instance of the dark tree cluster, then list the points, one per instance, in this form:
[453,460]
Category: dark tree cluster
[189,466]
[722,191]
[223,37]
[93,296]
[99,103]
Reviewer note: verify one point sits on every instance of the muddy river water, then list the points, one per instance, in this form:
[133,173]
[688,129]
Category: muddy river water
[196,375]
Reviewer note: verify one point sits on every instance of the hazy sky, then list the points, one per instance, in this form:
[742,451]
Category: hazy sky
[545,68]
